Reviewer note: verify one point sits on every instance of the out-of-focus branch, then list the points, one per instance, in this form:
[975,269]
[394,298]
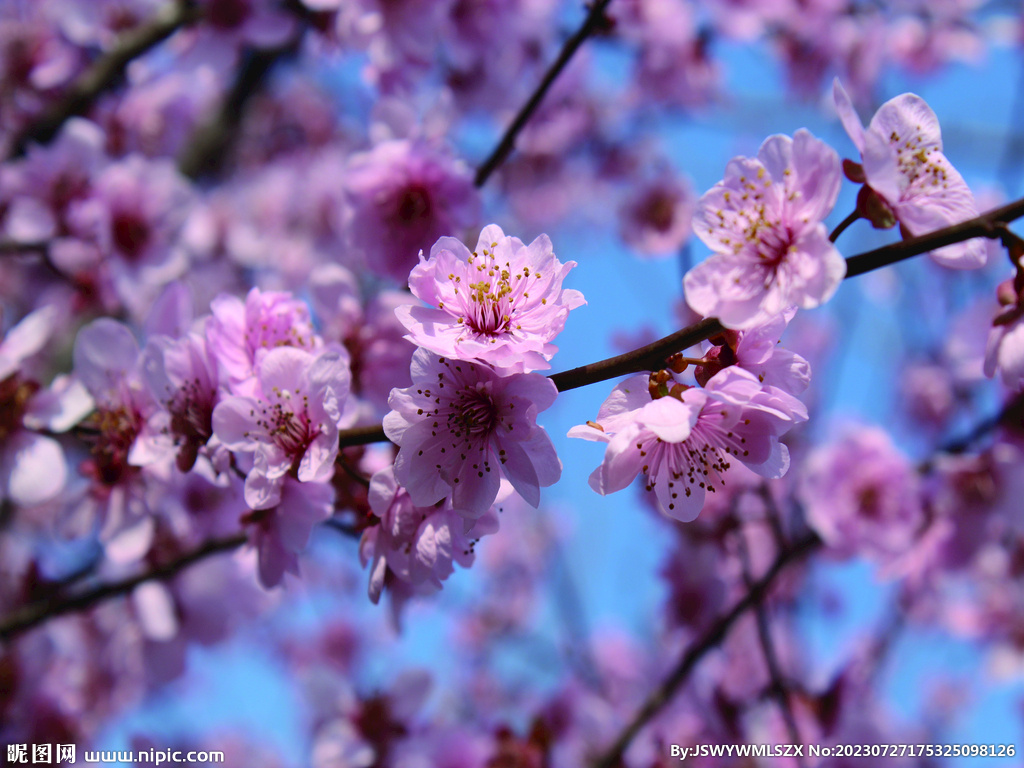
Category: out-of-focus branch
[29,616]
[778,688]
[106,72]
[595,18]
[714,635]
[207,149]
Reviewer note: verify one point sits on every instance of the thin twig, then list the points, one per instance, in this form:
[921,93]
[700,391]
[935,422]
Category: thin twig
[854,215]
[778,687]
[29,616]
[594,19]
[106,72]
[714,635]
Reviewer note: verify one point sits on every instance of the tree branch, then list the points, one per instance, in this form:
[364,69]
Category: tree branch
[29,616]
[207,149]
[696,651]
[594,19]
[105,72]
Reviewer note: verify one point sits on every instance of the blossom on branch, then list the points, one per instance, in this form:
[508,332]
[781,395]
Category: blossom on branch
[901,150]
[461,428]
[290,429]
[501,304]
[418,545]
[684,443]
[763,223]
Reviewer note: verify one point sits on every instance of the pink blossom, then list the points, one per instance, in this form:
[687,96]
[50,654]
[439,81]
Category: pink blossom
[40,187]
[684,446]
[32,466]
[404,196]
[182,376]
[281,531]
[501,304]
[763,223]
[106,358]
[418,545]
[757,350]
[656,218]
[290,427]
[462,427]
[862,495]
[129,223]
[373,335]
[241,334]
[1004,351]
[903,162]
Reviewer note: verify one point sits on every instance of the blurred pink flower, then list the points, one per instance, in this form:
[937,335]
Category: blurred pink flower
[862,496]
[404,195]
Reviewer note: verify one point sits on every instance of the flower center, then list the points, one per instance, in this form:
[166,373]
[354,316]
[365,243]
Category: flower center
[659,210]
[414,204]
[131,234]
[474,413]
[292,432]
[116,430]
[227,14]
[14,397]
[490,305]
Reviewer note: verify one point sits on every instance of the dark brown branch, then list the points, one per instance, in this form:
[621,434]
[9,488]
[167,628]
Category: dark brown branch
[594,20]
[986,225]
[362,435]
[647,358]
[699,648]
[29,616]
[106,72]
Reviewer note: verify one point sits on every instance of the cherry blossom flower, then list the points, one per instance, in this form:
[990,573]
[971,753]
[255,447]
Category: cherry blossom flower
[862,495]
[501,304]
[461,428]
[404,196]
[1004,351]
[418,545]
[763,223]
[757,350]
[291,427]
[106,359]
[901,150]
[32,466]
[128,224]
[684,445]
[182,376]
[281,531]
[656,218]
[241,334]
